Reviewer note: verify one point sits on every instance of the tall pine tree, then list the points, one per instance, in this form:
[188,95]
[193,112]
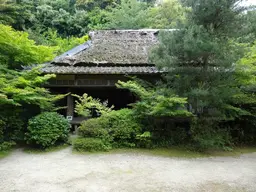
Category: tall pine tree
[200,57]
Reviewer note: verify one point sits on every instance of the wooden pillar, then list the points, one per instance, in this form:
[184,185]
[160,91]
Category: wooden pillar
[70,104]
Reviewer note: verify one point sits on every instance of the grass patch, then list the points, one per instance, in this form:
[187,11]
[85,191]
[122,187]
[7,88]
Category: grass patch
[235,152]
[164,152]
[178,152]
[47,150]
[4,154]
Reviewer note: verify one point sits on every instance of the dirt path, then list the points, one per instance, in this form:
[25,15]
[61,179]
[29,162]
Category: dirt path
[63,171]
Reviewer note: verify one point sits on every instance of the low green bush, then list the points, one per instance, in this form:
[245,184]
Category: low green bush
[93,128]
[144,140]
[119,128]
[13,123]
[206,134]
[47,129]
[6,146]
[90,144]
[2,125]
[123,127]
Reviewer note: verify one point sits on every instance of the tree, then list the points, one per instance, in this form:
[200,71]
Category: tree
[8,12]
[167,14]
[249,27]
[51,38]
[22,94]
[130,14]
[199,58]
[17,50]
[201,61]
[92,4]
[19,87]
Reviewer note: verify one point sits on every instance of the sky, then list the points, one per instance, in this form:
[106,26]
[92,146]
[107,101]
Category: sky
[249,2]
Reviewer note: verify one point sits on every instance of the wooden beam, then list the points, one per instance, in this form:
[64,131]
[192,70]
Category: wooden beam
[70,104]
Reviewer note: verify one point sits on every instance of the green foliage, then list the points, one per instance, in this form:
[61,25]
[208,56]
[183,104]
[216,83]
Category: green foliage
[249,27]
[53,39]
[47,129]
[8,12]
[144,140]
[157,110]
[202,61]
[90,144]
[76,18]
[244,131]
[94,128]
[167,15]
[92,4]
[130,14]
[86,103]
[206,134]
[16,49]
[13,124]
[155,101]
[2,125]
[123,127]
[119,128]
[20,90]
[17,88]
[14,13]
[195,58]
[6,146]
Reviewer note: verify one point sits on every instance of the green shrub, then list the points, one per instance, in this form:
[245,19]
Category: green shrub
[6,146]
[207,135]
[2,125]
[144,140]
[47,129]
[123,127]
[117,127]
[244,131]
[168,131]
[13,123]
[93,128]
[90,144]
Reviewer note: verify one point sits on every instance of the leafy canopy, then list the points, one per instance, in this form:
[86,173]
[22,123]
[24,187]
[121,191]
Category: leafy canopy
[130,14]
[155,101]
[23,87]
[17,50]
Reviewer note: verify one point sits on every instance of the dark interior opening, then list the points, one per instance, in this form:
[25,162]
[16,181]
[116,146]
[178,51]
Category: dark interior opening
[120,98]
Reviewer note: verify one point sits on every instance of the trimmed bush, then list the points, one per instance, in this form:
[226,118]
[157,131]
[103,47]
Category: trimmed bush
[47,129]
[93,128]
[90,144]
[120,128]
[123,127]
[6,146]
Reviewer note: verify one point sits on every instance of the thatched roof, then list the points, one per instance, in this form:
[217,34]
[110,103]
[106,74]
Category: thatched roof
[121,70]
[128,47]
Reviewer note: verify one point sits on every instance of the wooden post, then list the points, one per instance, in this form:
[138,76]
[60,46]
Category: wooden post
[70,104]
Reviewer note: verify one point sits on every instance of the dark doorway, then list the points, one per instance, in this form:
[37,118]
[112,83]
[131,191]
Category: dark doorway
[120,98]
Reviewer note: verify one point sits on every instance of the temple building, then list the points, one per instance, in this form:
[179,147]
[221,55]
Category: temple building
[95,66]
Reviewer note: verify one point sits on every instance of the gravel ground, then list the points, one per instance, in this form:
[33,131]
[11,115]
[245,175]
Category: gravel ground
[63,171]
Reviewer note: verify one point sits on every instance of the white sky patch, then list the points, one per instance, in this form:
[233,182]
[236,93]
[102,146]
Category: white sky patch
[249,2]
